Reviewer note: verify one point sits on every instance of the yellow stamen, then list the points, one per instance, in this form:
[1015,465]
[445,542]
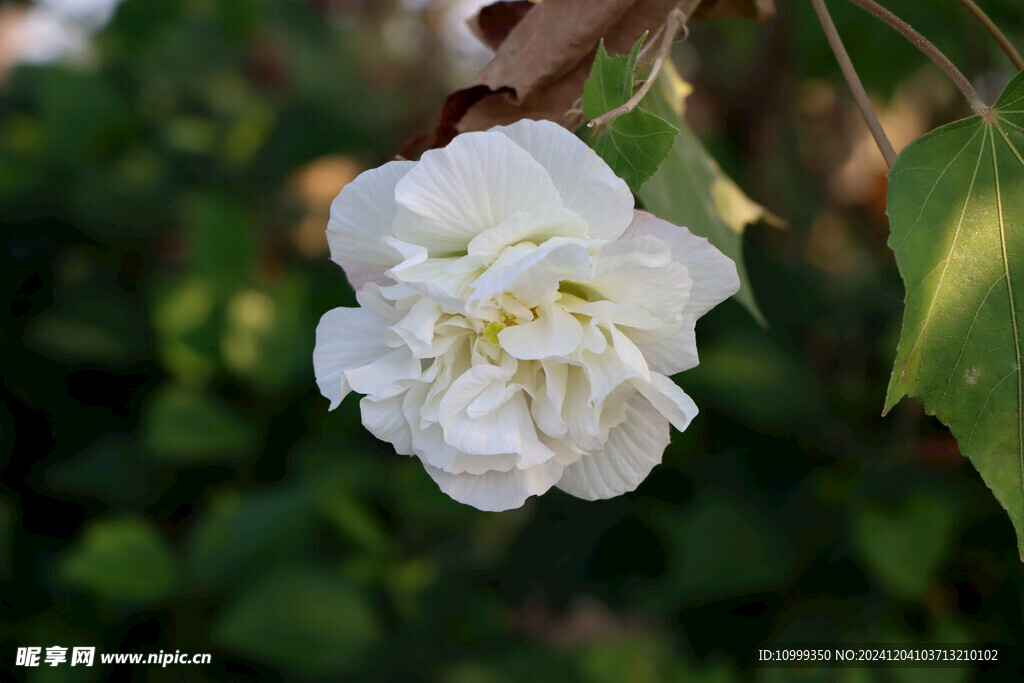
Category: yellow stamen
[492,330]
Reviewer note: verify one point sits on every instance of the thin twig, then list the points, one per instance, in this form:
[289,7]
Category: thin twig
[925,46]
[676,19]
[853,80]
[994,31]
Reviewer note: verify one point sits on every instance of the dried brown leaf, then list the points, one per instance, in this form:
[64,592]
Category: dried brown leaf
[493,23]
[544,51]
[539,69]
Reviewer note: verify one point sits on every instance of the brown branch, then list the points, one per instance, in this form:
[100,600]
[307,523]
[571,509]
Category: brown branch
[853,80]
[994,31]
[676,20]
[925,46]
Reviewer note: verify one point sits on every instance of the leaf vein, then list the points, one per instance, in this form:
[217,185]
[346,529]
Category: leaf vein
[952,247]
[936,184]
[967,336]
[1009,291]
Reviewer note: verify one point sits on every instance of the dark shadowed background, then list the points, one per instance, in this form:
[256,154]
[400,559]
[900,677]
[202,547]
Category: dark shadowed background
[172,480]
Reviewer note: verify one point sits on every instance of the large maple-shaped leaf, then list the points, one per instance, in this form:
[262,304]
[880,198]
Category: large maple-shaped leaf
[956,211]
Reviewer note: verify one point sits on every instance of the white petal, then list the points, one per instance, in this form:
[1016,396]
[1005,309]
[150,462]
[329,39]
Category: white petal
[618,363]
[584,181]
[429,445]
[631,452]
[347,339]
[444,280]
[668,399]
[620,314]
[672,354]
[713,273]
[385,420]
[377,378]
[470,186]
[546,406]
[579,412]
[490,399]
[496,491]
[594,339]
[361,216]
[640,272]
[533,275]
[506,429]
[552,334]
[416,329]
[613,407]
[535,226]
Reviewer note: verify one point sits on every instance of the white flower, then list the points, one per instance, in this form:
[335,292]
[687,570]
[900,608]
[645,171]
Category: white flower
[517,319]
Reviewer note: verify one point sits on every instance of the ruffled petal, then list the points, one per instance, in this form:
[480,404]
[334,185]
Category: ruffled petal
[552,334]
[416,329]
[535,226]
[350,339]
[533,274]
[672,354]
[430,447]
[585,182]
[546,406]
[631,452]
[619,362]
[668,399]
[361,216]
[505,429]
[713,273]
[472,185]
[579,412]
[620,314]
[640,272]
[497,491]
[386,421]
[378,377]
[444,280]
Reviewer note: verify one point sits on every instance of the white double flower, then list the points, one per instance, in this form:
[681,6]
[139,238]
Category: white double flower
[517,319]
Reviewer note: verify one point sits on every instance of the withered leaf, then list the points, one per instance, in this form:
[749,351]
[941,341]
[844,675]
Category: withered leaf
[538,71]
[544,52]
[493,23]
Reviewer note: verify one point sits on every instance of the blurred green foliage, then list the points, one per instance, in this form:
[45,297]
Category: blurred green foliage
[173,481]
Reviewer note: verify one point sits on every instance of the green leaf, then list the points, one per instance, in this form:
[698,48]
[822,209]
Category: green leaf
[956,211]
[184,425]
[220,237]
[300,619]
[109,469]
[611,80]
[904,547]
[237,533]
[635,143]
[758,557]
[690,188]
[123,559]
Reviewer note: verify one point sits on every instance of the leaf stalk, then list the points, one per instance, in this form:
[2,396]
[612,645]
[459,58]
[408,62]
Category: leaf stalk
[925,46]
[676,20]
[993,30]
[853,80]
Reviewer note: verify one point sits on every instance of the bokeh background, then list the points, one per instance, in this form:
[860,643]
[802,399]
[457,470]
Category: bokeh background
[173,481]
